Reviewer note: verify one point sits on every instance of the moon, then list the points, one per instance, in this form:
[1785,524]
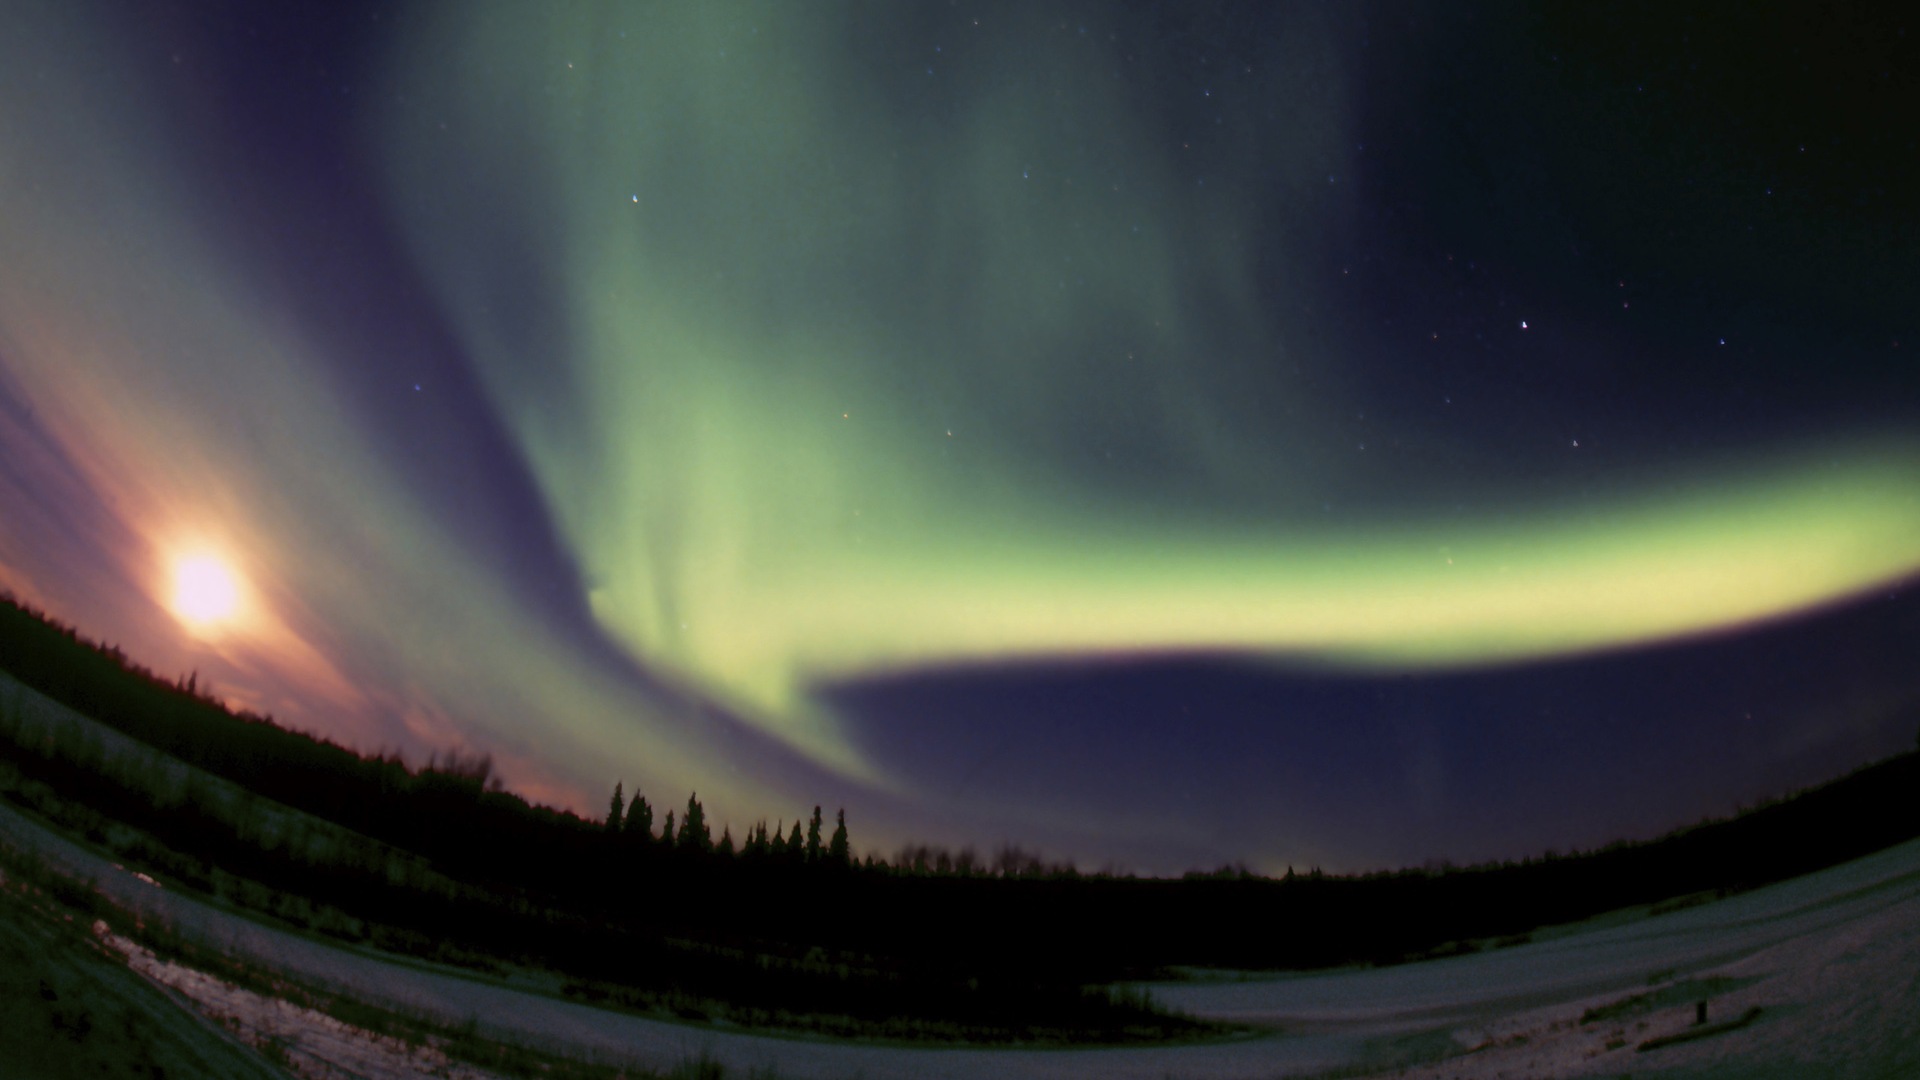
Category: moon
[206,592]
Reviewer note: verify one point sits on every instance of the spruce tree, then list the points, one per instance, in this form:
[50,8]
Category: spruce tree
[614,811]
[726,841]
[838,852]
[666,832]
[693,828]
[778,848]
[639,820]
[796,847]
[813,837]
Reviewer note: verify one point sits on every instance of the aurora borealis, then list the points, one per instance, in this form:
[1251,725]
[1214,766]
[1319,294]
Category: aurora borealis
[827,405]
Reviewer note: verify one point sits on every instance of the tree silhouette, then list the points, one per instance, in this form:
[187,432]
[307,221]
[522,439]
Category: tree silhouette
[694,836]
[838,852]
[614,812]
[726,841]
[666,831]
[778,848]
[639,827]
[813,837]
[796,846]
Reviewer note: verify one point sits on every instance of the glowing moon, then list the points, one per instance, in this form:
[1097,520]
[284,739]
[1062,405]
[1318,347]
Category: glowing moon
[205,591]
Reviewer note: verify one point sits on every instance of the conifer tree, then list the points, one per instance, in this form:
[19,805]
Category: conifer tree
[778,848]
[838,852]
[639,819]
[614,812]
[813,837]
[666,831]
[693,828]
[795,846]
[726,841]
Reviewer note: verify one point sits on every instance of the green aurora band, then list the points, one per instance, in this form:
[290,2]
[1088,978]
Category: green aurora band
[793,375]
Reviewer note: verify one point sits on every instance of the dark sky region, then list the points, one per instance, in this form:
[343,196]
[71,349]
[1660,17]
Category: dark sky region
[1161,434]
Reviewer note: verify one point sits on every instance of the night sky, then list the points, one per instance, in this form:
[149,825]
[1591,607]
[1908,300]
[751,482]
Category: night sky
[1158,434]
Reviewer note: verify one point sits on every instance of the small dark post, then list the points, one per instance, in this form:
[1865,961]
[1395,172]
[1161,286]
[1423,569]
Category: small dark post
[1700,1013]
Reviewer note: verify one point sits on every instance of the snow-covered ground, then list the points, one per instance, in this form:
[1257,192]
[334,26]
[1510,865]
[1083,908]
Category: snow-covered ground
[311,1043]
[1832,960]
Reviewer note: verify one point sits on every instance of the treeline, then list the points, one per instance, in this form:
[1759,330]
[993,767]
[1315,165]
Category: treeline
[439,861]
[449,809]
[632,823]
[1007,861]
[931,922]
[216,837]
